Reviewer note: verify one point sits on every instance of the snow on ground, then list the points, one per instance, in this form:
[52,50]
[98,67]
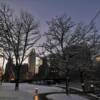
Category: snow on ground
[30,88]
[65,97]
[41,89]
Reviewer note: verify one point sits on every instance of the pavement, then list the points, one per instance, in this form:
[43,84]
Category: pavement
[77,89]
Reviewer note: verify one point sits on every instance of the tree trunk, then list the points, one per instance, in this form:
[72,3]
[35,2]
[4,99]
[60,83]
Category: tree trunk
[17,77]
[67,91]
[82,80]
[67,82]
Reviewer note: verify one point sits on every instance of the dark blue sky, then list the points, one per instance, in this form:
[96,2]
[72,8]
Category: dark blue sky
[44,10]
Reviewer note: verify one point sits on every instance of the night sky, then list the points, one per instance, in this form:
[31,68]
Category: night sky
[44,10]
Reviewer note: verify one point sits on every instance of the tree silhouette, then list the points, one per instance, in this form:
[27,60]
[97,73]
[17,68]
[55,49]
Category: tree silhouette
[63,34]
[19,34]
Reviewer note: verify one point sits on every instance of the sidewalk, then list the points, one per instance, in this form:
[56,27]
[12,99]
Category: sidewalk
[77,88]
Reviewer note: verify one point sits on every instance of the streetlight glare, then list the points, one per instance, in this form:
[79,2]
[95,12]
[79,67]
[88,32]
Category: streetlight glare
[98,58]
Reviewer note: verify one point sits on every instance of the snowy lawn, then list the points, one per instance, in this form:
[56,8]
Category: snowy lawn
[31,89]
[41,89]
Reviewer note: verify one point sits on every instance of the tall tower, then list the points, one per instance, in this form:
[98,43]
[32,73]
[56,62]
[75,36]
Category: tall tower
[32,62]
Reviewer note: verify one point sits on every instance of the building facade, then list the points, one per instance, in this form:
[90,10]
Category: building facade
[32,63]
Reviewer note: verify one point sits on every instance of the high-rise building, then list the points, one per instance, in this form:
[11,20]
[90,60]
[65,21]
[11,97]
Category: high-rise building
[9,70]
[32,62]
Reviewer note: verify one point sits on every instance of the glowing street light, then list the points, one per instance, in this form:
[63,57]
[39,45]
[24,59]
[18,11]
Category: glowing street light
[98,58]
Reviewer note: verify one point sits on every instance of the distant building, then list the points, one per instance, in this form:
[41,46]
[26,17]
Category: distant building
[24,72]
[53,72]
[43,68]
[9,70]
[38,64]
[32,62]
[28,69]
[48,70]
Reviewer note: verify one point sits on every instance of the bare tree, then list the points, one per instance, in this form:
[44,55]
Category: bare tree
[63,34]
[57,40]
[18,35]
